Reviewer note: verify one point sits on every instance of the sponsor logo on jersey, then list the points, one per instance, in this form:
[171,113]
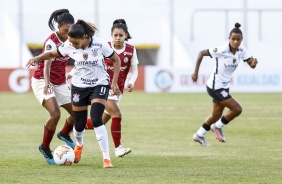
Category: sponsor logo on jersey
[215,50]
[75,98]
[85,56]
[97,44]
[92,63]
[231,66]
[48,47]
[234,60]
[127,53]
[125,59]
[89,81]
[95,52]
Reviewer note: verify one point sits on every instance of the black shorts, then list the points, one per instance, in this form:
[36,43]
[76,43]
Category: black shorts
[83,96]
[219,95]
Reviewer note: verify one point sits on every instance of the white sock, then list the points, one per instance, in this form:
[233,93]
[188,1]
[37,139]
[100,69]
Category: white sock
[78,137]
[102,137]
[201,132]
[219,124]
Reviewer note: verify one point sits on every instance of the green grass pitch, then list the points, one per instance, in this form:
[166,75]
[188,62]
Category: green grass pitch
[159,128]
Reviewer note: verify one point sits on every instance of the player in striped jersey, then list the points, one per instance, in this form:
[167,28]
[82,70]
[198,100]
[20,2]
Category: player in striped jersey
[227,59]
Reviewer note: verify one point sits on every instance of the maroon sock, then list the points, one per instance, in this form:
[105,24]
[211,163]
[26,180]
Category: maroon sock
[67,129]
[89,124]
[47,137]
[116,131]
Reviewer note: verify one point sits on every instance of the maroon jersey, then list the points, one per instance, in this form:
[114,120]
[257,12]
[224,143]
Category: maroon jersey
[57,70]
[125,58]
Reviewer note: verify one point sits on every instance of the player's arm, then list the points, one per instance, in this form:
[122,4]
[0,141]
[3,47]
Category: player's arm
[134,71]
[44,56]
[252,62]
[116,63]
[47,67]
[198,63]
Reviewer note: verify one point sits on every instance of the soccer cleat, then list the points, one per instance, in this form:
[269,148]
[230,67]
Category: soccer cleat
[121,151]
[47,154]
[200,140]
[218,133]
[107,164]
[66,139]
[77,153]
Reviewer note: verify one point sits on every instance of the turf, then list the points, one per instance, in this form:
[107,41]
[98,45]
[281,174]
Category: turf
[159,128]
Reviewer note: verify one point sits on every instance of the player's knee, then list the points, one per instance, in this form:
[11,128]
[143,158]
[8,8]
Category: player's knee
[96,113]
[238,110]
[55,116]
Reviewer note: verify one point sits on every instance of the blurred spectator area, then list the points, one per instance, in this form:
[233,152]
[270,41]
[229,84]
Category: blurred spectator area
[147,53]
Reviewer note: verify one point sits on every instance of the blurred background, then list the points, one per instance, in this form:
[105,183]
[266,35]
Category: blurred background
[168,35]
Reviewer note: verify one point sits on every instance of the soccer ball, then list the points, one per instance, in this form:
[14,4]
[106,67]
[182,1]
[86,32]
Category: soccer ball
[63,155]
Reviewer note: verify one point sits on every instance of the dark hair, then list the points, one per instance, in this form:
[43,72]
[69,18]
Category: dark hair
[61,16]
[121,24]
[236,29]
[82,28]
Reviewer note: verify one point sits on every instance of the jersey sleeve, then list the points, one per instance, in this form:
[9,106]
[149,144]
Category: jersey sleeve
[134,59]
[50,46]
[215,52]
[245,54]
[64,48]
[106,49]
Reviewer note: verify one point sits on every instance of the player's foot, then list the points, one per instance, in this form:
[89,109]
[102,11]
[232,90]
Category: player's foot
[200,140]
[66,139]
[107,164]
[121,151]
[47,154]
[218,133]
[77,153]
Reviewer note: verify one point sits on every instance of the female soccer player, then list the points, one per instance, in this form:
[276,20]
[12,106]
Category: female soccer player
[52,77]
[128,57]
[227,59]
[90,82]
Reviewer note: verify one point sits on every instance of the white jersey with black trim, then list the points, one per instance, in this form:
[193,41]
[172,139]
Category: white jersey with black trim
[226,64]
[89,63]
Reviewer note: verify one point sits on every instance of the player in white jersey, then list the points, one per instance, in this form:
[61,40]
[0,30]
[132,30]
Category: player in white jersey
[227,59]
[128,56]
[90,82]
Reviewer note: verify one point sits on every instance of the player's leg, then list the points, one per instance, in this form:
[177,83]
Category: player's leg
[63,95]
[234,110]
[49,102]
[64,134]
[80,101]
[99,98]
[217,111]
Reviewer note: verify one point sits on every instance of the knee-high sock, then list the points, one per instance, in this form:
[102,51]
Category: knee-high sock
[67,128]
[47,137]
[102,137]
[78,137]
[116,131]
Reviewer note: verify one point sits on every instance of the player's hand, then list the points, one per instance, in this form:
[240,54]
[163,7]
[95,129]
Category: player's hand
[115,88]
[253,62]
[129,87]
[194,77]
[31,62]
[48,89]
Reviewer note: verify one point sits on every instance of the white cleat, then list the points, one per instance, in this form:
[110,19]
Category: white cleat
[121,151]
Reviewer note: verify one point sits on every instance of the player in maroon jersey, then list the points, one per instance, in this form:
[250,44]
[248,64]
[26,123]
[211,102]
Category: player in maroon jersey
[128,57]
[49,85]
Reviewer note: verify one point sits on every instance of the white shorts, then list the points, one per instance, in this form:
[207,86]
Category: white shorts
[61,92]
[116,98]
